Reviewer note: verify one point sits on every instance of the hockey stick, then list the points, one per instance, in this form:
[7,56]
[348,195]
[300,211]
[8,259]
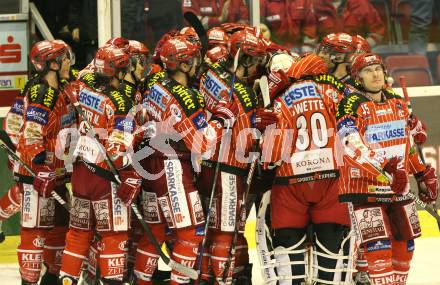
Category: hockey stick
[194,21]
[187,271]
[264,88]
[2,234]
[216,171]
[15,157]
[418,146]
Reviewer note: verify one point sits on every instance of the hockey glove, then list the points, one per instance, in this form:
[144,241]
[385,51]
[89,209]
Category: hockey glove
[278,82]
[264,118]
[44,180]
[400,184]
[427,181]
[130,186]
[417,130]
[225,112]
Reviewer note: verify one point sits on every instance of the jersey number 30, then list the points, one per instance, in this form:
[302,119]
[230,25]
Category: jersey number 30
[318,127]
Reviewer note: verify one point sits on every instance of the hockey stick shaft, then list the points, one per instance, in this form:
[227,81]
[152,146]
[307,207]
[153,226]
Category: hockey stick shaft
[15,157]
[171,263]
[402,80]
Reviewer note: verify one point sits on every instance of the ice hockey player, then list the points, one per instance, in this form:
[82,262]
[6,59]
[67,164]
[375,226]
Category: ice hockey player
[101,204]
[181,130]
[375,136]
[305,189]
[46,111]
[222,83]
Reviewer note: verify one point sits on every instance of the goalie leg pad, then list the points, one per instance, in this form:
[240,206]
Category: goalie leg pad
[75,252]
[404,220]
[30,253]
[332,253]
[402,255]
[291,255]
[146,255]
[53,249]
[112,257]
[10,202]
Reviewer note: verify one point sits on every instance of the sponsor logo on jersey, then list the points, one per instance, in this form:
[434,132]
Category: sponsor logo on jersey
[378,245]
[176,192]
[92,100]
[299,92]
[185,96]
[120,101]
[384,112]
[49,97]
[67,119]
[200,121]
[18,107]
[385,131]
[124,124]
[346,127]
[348,107]
[159,97]
[213,85]
[37,115]
[244,95]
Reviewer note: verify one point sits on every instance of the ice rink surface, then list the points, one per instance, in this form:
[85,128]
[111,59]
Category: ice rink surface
[425,268]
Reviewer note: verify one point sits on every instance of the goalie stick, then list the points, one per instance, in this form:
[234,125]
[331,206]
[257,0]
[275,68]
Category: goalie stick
[187,271]
[418,146]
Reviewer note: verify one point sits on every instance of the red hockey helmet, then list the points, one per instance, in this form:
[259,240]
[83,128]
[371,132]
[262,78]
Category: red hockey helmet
[177,50]
[109,61]
[136,47]
[248,43]
[42,53]
[217,36]
[191,35]
[70,53]
[361,45]
[217,54]
[337,43]
[163,39]
[231,28]
[121,43]
[363,60]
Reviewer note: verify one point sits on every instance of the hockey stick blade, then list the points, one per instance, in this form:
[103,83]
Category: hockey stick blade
[187,271]
[191,273]
[194,21]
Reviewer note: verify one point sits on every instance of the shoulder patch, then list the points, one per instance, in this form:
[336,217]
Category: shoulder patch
[349,105]
[246,96]
[390,94]
[89,79]
[186,97]
[331,80]
[43,95]
[123,103]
